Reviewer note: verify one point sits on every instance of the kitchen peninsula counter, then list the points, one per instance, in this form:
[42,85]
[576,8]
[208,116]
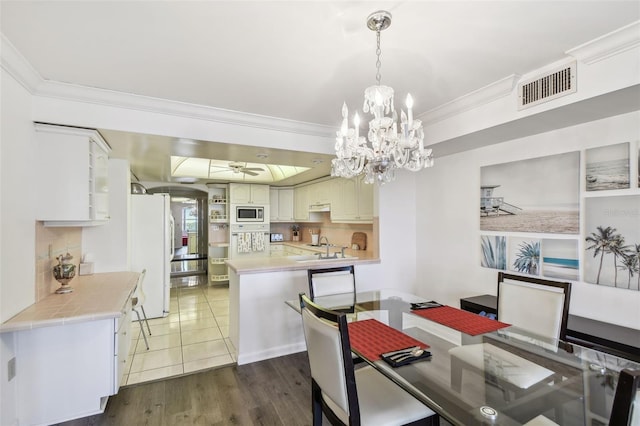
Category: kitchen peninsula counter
[261,325]
[256,265]
[95,297]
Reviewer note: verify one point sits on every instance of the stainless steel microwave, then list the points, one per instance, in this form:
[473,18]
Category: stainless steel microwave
[249,214]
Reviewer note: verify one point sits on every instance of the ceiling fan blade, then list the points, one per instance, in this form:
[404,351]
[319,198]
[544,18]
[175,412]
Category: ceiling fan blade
[254,169]
[250,173]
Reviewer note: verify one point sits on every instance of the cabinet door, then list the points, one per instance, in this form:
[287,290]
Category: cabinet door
[285,204]
[240,193]
[72,166]
[260,194]
[365,200]
[301,211]
[274,203]
[347,207]
[65,371]
[320,193]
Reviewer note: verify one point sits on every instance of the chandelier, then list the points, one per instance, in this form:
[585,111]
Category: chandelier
[388,145]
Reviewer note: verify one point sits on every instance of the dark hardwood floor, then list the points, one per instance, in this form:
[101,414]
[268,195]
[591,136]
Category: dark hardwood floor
[272,392]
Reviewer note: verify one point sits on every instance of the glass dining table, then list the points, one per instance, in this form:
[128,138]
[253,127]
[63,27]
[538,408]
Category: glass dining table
[503,377]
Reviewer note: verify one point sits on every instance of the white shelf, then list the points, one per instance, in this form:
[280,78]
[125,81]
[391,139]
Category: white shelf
[219,278]
[215,244]
[219,219]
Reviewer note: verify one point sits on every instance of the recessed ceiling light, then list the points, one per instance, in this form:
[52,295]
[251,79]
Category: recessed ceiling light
[262,156]
[317,161]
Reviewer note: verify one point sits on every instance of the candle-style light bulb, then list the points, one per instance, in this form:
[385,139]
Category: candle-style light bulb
[410,109]
[345,124]
[356,123]
[394,117]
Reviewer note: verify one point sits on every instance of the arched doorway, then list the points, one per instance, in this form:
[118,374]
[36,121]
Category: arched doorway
[189,210]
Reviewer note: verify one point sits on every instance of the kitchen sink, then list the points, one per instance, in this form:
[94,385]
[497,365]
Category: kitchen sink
[315,258]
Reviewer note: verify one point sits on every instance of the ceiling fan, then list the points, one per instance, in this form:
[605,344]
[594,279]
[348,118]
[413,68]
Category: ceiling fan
[240,168]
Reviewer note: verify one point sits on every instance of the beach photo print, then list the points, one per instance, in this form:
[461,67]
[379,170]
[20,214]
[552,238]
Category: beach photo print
[612,241]
[560,259]
[607,167]
[536,195]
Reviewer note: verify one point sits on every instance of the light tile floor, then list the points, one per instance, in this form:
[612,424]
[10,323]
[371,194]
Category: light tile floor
[194,336]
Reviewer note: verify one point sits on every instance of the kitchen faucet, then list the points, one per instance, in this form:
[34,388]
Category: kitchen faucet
[327,240]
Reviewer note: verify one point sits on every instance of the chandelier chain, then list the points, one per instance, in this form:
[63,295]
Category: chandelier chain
[378,63]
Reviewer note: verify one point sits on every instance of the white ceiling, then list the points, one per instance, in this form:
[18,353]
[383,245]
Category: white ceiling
[297,60]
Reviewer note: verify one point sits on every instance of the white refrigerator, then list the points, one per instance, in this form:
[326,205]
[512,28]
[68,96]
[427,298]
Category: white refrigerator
[152,249]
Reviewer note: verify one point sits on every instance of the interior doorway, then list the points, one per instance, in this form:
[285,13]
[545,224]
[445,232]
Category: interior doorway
[189,210]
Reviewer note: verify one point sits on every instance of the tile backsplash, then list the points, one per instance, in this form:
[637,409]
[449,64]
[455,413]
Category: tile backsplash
[50,243]
[337,233]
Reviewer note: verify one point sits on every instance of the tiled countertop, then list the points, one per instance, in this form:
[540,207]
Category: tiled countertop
[95,297]
[254,265]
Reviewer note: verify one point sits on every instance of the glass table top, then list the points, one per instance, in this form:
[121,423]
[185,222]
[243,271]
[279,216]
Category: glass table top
[504,377]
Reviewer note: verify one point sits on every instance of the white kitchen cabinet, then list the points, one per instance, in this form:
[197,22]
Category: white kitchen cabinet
[73,179]
[354,201]
[245,193]
[282,205]
[301,203]
[69,371]
[322,192]
[123,346]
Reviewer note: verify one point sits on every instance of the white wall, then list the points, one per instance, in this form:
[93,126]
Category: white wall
[17,222]
[448,243]
[18,184]
[109,243]
[397,232]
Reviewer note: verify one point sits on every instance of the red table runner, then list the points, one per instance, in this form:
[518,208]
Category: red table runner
[372,338]
[464,321]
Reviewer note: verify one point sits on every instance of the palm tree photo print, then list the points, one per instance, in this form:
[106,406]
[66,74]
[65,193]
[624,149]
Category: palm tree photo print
[612,243]
[524,255]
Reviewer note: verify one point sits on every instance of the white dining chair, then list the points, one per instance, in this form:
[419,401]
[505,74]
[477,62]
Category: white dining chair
[346,395]
[336,286]
[535,305]
[138,305]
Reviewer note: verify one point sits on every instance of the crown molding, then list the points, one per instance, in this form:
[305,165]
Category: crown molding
[20,69]
[484,95]
[608,45]
[12,61]
[73,92]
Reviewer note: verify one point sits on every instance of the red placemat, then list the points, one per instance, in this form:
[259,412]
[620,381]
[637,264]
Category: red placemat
[464,321]
[372,338]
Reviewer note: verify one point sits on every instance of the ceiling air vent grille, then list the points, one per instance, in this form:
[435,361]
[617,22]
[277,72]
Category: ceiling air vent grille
[550,86]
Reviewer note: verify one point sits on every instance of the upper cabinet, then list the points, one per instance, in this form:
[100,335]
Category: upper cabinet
[281,204]
[244,193]
[322,192]
[301,203]
[72,168]
[349,200]
[354,201]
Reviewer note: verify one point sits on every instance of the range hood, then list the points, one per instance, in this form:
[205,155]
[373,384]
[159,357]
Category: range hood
[313,208]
